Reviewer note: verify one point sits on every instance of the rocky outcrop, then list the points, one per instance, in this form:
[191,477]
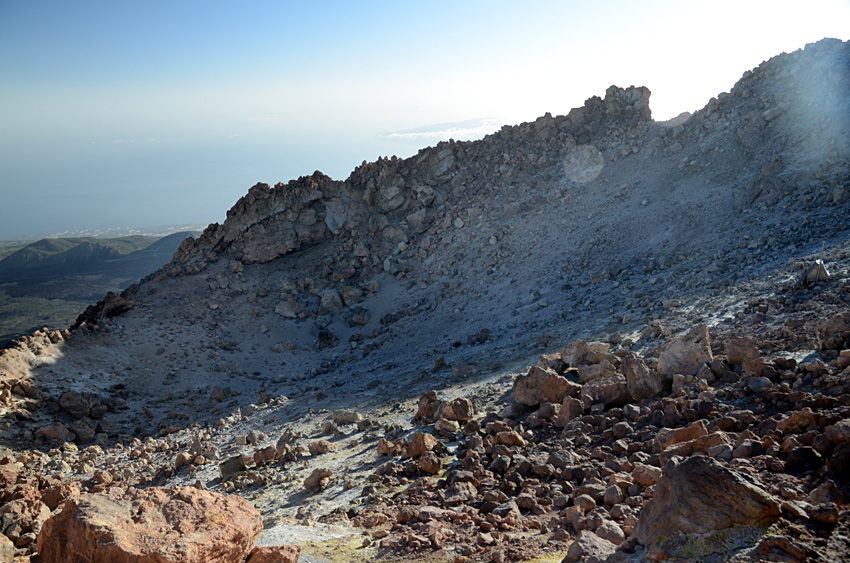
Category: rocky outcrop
[155,525]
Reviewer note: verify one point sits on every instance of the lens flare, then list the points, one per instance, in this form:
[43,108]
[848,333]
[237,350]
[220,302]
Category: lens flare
[584,164]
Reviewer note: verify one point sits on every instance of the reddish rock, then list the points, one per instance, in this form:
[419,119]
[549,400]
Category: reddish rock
[155,525]
[430,463]
[427,404]
[798,421]
[593,372]
[7,549]
[510,438]
[834,333]
[611,391]
[55,431]
[542,385]
[420,444]
[839,432]
[460,409]
[667,437]
[646,475]
[570,408]
[276,554]
[320,447]
[702,444]
[388,447]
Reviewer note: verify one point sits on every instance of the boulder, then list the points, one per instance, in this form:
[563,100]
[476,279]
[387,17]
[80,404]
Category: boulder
[839,432]
[420,444]
[589,544]
[570,409]
[688,354]
[427,404]
[699,495]
[667,437]
[275,554]
[114,305]
[798,421]
[593,372]
[610,391]
[542,385]
[7,549]
[154,525]
[318,480]
[430,463]
[345,416]
[55,431]
[642,382]
[833,333]
[580,352]
[460,409]
[741,349]
[75,404]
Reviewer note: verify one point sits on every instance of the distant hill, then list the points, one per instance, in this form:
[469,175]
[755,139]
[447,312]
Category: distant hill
[49,281]
[49,258]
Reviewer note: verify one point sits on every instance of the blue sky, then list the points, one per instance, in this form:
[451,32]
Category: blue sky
[117,113]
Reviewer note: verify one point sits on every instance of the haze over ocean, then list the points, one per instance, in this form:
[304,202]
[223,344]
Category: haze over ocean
[137,114]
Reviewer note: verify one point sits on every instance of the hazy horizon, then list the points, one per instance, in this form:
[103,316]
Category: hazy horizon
[131,115]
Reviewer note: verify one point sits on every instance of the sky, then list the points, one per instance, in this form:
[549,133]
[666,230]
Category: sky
[132,114]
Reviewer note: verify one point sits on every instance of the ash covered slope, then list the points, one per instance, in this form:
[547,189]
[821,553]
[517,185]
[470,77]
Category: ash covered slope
[597,222]
[538,211]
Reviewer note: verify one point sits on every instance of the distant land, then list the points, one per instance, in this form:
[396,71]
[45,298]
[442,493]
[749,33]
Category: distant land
[49,281]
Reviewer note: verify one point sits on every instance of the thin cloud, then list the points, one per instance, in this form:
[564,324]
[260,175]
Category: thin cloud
[459,130]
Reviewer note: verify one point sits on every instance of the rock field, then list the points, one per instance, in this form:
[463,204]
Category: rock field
[592,337]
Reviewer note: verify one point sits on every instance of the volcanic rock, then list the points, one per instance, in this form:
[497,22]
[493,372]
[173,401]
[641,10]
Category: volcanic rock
[275,554]
[688,354]
[699,495]
[542,385]
[155,525]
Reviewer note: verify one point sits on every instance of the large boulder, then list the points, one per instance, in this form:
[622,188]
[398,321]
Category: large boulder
[688,354]
[642,382]
[542,385]
[698,495]
[610,391]
[154,525]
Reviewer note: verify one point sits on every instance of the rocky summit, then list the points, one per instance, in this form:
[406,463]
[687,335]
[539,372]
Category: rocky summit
[589,337]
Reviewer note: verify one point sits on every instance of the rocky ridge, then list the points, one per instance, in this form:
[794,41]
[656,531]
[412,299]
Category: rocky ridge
[282,355]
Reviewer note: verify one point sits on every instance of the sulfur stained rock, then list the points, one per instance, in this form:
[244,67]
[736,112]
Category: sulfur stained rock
[154,525]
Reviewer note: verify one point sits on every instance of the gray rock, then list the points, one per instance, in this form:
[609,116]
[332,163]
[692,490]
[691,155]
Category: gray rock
[589,544]
[686,355]
[642,382]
